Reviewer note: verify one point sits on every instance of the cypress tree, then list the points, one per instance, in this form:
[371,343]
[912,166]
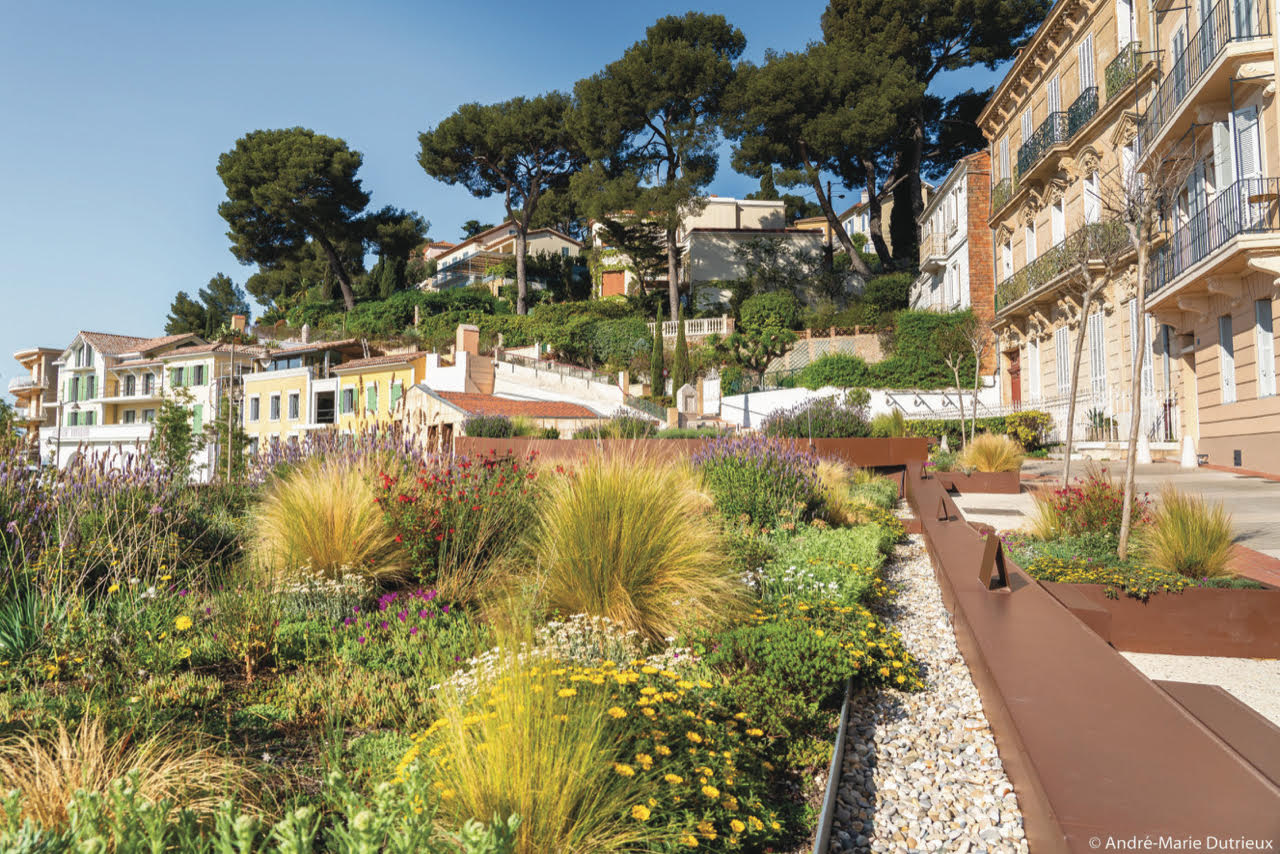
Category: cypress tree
[681,371]
[656,360]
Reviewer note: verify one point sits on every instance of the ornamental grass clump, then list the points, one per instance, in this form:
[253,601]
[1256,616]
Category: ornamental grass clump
[321,519]
[634,540]
[988,452]
[1188,535]
[764,483]
[48,772]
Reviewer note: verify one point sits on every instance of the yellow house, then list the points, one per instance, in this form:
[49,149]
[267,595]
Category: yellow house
[294,389]
[371,392]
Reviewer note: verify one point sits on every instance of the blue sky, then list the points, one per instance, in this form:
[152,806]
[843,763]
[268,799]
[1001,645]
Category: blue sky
[115,114]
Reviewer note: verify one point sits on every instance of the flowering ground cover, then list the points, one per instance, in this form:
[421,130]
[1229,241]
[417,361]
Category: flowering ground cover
[518,657]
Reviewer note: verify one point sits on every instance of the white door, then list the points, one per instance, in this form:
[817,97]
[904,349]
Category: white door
[1004,159]
[1227,359]
[1092,199]
[1062,359]
[1055,95]
[1124,23]
[1033,368]
[1058,222]
[1266,347]
[1248,162]
[1026,125]
[1006,261]
[1029,238]
[1223,157]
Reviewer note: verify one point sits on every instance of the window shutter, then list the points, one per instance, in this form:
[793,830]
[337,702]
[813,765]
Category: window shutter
[1004,158]
[371,398]
[1097,355]
[397,389]
[1057,222]
[1248,157]
[1148,360]
[1223,159]
[1266,345]
[197,417]
[1026,125]
[1029,237]
[1124,23]
[1092,199]
[1227,358]
[1055,95]
[1061,344]
[1084,63]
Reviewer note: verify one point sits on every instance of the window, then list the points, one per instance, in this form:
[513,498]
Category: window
[1129,164]
[1061,345]
[274,411]
[89,418]
[253,446]
[73,420]
[1026,125]
[90,387]
[1092,199]
[294,399]
[74,388]
[175,377]
[1124,23]
[130,416]
[1006,260]
[130,385]
[1248,157]
[1055,95]
[1227,358]
[255,408]
[149,384]
[1033,367]
[371,397]
[198,370]
[1004,158]
[1084,63]
[1223,156]
[1057,222]
[1029,238]
[1266,344]
[148,415]
[348,400]
[1097,355]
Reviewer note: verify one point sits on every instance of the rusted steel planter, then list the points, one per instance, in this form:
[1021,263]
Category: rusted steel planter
[1197,621]
[999,482]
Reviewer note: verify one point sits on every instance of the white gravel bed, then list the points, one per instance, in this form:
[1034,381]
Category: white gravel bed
[1253,681]
[921,771]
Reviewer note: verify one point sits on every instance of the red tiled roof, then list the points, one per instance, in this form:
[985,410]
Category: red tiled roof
[375,361]
[245,350]
[114,345]
[488,404]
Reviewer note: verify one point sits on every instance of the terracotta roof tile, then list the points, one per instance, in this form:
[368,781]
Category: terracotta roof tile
[488,404]
[375,361]
[114,345]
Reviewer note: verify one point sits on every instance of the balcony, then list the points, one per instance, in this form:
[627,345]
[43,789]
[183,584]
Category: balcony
[126,434]
[20,386]
[933,251]
[1231,27]
[1058,129]
[1002,192]
[1124,69]
[1248,207]
[1093,242]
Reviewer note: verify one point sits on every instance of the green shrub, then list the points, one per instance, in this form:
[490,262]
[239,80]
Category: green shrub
[773,310]
[877,491]
[832,417]
[833,563]
[619,427]
[616,342]
[1137,581]
[489,426]
[835,369]
[761,483]
[889,425]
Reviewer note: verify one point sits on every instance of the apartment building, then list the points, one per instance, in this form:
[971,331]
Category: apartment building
[37,393]
[1211,127]
[1063,126]
[293,388]
[956,266]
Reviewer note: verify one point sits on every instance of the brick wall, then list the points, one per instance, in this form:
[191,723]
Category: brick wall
[982,287]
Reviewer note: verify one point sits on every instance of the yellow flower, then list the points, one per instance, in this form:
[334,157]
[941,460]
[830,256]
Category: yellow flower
[165,577]
[648,711]
[737,826]
[689,840]
[755,732]
[567,692]
[648,692]
[662,750]
[617,712]
[640,812]
[707,829]
[756,824]
[674,779]
[649,669]
[624,770]
[694,737]
[901,679]
[113,588]
[711,792]
[185,652]
[182,623]
[645,760]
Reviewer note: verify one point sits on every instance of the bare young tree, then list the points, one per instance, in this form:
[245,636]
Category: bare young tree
[1139,202]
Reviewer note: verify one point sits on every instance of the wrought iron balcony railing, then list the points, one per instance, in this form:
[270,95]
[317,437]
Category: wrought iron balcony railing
[1124,69]
[1002,192]
[1092,242]
[1249,206]
[1229,21]
[1058,129]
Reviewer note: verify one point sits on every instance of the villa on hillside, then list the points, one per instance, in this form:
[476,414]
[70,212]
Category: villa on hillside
[473,261]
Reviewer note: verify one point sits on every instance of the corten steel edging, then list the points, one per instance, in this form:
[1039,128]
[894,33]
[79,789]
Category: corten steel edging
[989,483]
[1095,750]
[1197,621]
[826,821]
[865,453]
[1253,736]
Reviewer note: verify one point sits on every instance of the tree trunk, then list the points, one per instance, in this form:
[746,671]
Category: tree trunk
[340,271]
[977,381]
[1075,381]
[874,224]
[673,273]
[955,372]
[522,285]
[1135,409]
[858,265]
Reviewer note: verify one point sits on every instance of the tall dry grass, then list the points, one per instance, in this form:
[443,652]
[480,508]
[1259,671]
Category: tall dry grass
[635,540]
[1188,535]
[321,519]
[49,771]
[518,746]
[988,452]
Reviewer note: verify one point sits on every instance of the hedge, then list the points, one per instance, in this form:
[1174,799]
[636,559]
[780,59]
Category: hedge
[1027,427]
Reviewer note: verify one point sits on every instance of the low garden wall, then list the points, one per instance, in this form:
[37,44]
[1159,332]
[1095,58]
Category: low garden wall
[1096,751]
[996,482]
[1195,621]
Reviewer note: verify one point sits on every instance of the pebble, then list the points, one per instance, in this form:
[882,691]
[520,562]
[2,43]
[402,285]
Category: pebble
[921,771]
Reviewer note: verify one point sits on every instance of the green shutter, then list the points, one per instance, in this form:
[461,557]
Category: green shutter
[197,417]
[396,390]
[175,377]
[371,398]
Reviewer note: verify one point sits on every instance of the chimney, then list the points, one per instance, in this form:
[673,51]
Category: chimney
[468,339]
[238,322]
